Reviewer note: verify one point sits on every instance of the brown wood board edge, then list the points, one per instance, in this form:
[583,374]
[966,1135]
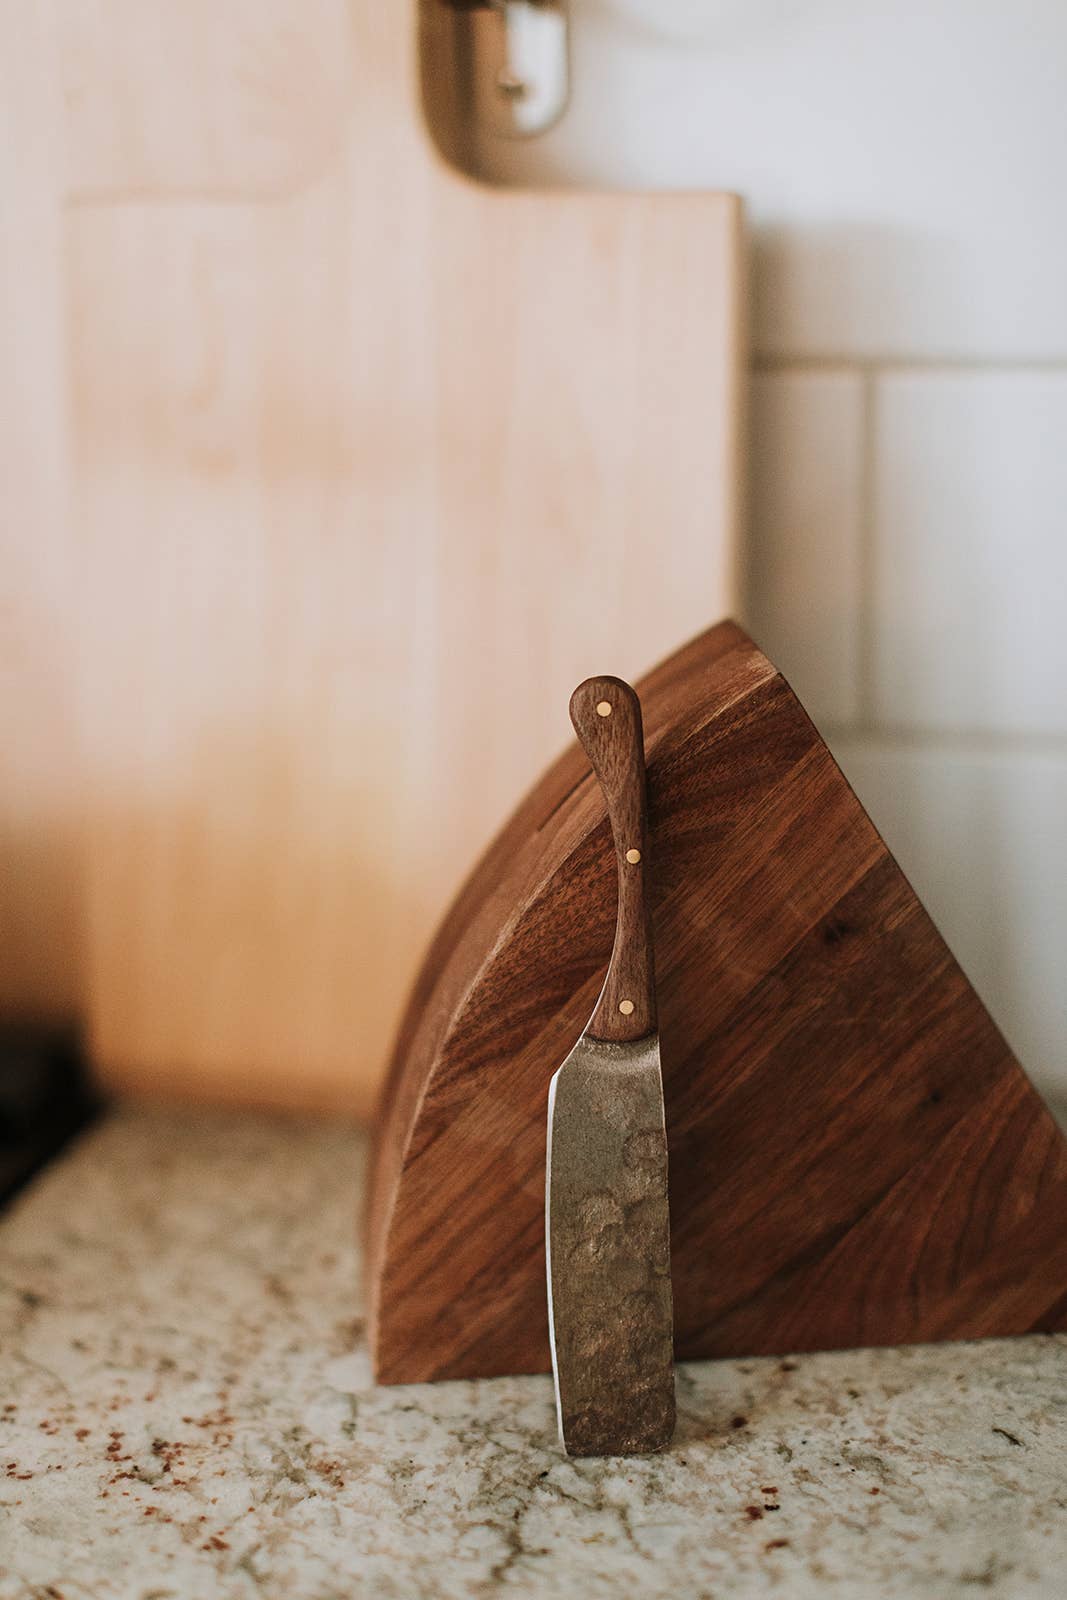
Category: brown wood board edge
[856,1156]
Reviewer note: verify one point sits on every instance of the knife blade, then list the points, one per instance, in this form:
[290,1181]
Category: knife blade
[607,1225]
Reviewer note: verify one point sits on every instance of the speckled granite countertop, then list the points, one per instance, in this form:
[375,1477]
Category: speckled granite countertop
[187,1410]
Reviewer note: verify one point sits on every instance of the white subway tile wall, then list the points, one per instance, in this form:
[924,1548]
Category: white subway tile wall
[804,571]
[905,171]
[969,577]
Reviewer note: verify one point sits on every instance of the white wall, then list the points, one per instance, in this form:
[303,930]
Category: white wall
[905,167]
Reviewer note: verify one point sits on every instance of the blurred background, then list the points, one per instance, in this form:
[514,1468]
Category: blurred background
[218,852]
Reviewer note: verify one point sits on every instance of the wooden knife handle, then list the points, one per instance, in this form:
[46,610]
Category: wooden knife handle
[606,714]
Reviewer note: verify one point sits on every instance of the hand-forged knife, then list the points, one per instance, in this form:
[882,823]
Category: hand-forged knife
[607,1227]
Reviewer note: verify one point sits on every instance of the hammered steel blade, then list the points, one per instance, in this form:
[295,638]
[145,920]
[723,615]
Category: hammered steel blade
[609,1249]
[607,1224]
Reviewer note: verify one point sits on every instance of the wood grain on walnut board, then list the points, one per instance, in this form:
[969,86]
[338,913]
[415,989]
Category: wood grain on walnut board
[369,465]
[856,1156]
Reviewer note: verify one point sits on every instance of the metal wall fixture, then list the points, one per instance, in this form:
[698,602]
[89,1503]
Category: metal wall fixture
[509,62]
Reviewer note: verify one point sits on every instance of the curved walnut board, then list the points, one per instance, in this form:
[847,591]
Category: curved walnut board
[856,1156]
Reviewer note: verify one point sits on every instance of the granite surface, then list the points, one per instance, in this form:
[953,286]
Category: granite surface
[187,1410]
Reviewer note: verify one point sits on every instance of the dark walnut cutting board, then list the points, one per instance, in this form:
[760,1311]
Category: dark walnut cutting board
[855,1155]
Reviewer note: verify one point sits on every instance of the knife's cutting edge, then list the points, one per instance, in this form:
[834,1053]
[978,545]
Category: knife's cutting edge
[548,1252]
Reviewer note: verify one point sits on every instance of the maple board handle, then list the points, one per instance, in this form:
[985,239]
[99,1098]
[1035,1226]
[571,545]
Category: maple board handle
[606,714]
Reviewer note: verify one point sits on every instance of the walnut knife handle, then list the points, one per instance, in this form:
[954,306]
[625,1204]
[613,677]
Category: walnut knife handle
[606,714]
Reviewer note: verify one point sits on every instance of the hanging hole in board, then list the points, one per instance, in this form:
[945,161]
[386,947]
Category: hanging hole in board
[510,61]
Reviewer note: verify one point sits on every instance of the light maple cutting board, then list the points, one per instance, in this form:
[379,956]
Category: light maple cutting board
[368,465]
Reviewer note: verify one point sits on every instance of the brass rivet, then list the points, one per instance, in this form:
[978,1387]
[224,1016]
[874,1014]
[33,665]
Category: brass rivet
[633,857]
[603,708]
[626,1006]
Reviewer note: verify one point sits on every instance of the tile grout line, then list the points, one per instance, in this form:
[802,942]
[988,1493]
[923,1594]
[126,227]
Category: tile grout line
[893,365]
[948,741]
[863,716]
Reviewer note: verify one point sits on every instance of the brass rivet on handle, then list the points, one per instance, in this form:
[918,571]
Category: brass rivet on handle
[626,1006]
[633,857]
[603,708]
